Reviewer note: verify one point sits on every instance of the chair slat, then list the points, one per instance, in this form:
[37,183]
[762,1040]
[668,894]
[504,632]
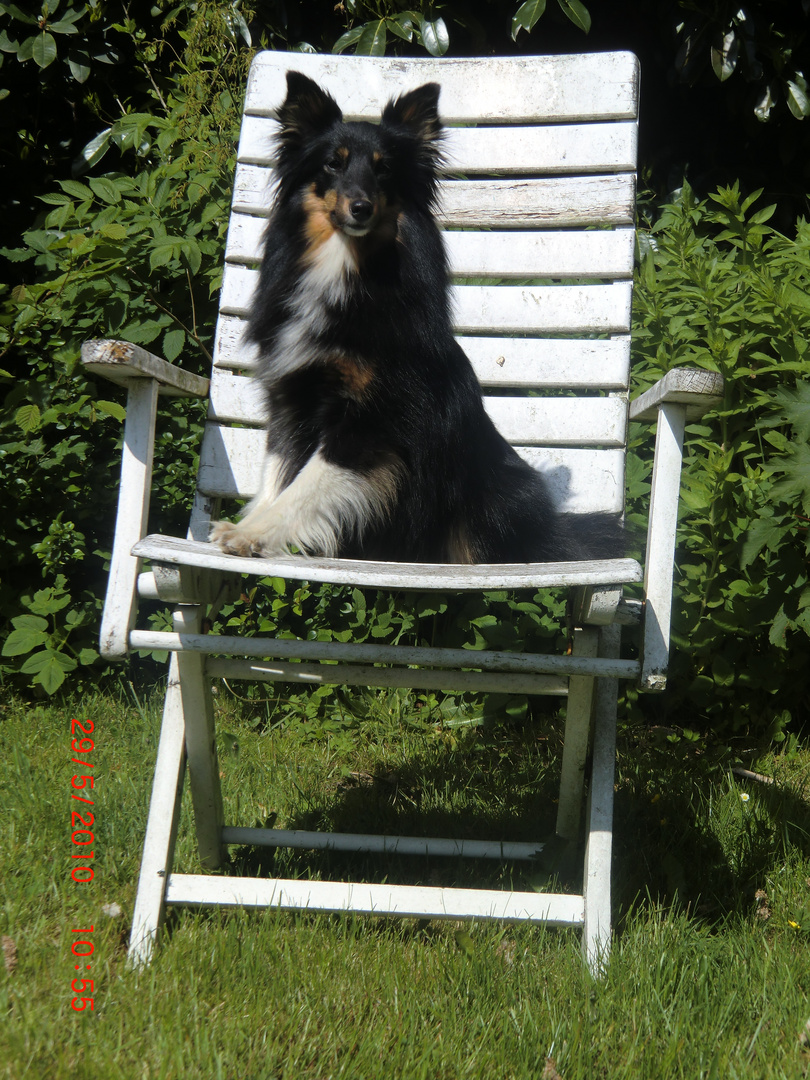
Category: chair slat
[502,308]
[524,421]
[551,309]
[554,148]
[564,254]
[534,363]
[557,88]
[547,203]
[580,480]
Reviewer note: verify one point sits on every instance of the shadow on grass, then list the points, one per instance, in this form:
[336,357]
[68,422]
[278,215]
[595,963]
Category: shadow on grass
[684,831]
[689,832]
[488,788]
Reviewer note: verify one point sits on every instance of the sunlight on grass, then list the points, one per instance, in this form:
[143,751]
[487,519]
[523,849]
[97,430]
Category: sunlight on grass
[709,975]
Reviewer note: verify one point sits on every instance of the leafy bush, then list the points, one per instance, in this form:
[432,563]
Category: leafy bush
[136,253]
[133,255]
[719,289]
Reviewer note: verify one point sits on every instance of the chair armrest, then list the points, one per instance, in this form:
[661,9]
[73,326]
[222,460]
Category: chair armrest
[144,376]
[699,391]
[121,362]
[682,395]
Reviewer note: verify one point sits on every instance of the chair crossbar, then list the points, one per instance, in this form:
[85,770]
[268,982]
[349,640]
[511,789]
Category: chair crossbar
[395,677]
[280,648]
[402,901]
[442,847]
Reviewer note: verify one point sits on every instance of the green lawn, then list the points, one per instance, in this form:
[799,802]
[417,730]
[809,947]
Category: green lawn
[705,979]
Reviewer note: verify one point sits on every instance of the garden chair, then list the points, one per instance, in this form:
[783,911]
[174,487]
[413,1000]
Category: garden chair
[545,148]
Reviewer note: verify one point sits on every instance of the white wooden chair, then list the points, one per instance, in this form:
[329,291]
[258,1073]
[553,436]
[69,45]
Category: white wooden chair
[546,147]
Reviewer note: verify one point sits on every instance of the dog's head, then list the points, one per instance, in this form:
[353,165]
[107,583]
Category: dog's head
[354,176]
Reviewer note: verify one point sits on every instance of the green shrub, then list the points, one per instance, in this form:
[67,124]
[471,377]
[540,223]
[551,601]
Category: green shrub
[136,256]
[719,289]
[136,253]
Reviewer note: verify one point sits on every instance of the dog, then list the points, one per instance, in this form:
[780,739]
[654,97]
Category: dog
[378,443]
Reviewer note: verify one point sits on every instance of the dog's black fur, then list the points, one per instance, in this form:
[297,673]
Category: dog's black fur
[379,446]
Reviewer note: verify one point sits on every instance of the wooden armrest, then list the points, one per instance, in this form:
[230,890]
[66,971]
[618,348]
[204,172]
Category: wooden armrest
[698,390]
[121,362]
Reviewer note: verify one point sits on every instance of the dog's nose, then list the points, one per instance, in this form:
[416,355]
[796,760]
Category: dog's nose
[361,210]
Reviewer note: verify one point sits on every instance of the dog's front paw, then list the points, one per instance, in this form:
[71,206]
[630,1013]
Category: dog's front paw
[233,540]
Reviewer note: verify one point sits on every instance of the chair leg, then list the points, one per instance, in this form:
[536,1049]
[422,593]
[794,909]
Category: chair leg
[577,738]
[201,747]
[599,847]
[186,734]
[161,828]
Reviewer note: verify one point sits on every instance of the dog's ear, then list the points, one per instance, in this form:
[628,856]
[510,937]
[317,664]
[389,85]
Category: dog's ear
[306,111]
[418,110]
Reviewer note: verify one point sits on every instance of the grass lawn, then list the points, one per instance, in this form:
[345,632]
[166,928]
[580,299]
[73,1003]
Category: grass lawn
[710,971]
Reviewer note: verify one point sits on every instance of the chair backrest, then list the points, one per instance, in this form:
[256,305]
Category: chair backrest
[538,208]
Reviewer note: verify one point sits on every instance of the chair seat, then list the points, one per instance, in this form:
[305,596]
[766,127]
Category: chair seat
[173,550]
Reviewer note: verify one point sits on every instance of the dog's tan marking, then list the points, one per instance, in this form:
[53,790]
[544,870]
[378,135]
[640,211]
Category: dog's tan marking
[319,226]
[356,376]
[459,547]
[384,480]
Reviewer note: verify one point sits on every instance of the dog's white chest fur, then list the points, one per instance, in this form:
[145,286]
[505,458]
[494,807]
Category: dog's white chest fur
[325,284]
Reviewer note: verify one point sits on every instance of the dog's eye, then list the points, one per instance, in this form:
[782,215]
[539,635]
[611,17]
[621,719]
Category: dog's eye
[334,165]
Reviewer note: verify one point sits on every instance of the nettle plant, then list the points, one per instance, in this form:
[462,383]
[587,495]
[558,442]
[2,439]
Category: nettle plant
[719,289]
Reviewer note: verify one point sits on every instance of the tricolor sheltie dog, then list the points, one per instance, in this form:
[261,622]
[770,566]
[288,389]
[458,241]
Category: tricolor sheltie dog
[378,443]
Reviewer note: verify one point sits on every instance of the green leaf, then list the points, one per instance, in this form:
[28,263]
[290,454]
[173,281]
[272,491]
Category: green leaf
[401,26]
[766,533]
[18,13]
[54,199]
[24,640]
[44,51]
[797,96]
[164,249]
[63,26]
[94,151]
[173,342]
[373,39]
[105,189]
[762,109]
[724,55]
[77,190]
[48,668]
[6,43]
[47,601]
[435,37]
[722,671]
[114,231]
[112,408]
[45,659]
[795,406]
[27,418]
[577,13]
[79,64]
[526,16]
[778,633]
[26,49]
[351,37]
[29,622]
